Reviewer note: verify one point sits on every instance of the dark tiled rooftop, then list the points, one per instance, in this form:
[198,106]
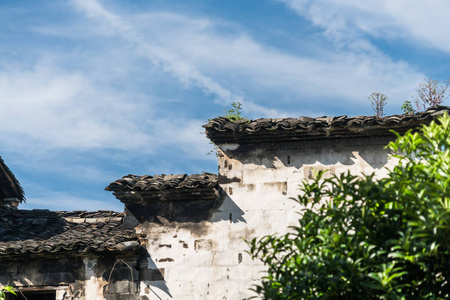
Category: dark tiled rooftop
[25,232]
[9,185]
[222,130]
[163,182]
[165,187]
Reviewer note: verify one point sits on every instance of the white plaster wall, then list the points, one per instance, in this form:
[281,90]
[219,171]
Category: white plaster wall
[208,260]
[208,266]
[93,285]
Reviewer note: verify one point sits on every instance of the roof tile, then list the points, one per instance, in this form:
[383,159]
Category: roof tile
[182,187]
[42,231]
[222,130]
[162,182]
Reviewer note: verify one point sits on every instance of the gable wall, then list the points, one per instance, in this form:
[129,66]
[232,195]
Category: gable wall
[207,260]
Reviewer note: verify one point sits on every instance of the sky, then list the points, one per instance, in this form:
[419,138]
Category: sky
[93,90]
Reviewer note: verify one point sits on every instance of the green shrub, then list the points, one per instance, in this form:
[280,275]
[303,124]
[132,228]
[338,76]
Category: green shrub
[4,289]
[361,238]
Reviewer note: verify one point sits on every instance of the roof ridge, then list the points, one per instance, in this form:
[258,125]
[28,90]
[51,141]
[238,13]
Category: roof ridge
[223,130]
[163,182]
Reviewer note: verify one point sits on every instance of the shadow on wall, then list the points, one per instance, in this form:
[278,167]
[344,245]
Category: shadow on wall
[328,152]
[229,210]
[152,276]
[223,208]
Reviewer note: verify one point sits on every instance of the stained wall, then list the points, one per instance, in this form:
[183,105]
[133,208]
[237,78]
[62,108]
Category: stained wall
[207,259]
[74,278]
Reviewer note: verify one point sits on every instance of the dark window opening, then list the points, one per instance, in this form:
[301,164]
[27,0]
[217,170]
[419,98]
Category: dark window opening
[35,295]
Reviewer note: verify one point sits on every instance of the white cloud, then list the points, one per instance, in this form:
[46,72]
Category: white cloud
[95,10]
[427,21]
[250,66]
[232,65]
[163,57]
[59,108]
[50,106]
[347,20]
[99,92]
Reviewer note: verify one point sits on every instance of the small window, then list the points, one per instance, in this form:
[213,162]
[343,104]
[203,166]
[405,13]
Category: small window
[35,295]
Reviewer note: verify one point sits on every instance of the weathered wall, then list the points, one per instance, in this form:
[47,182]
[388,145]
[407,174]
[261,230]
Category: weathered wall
[74,278]
[207,259]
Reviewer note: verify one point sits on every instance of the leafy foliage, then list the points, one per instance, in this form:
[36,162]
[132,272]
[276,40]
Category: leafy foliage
[378,102]
[362,238]
[233,114]
[431,93]
[4,289]
[407,107]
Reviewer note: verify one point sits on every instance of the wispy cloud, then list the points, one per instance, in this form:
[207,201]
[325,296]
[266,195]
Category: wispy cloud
[78,107]
[129,89]
[348,20]
[55,108]
[163,57]
[57,105]
[234,67]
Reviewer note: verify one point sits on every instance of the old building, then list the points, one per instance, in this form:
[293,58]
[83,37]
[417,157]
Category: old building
[183,236]
[64,255]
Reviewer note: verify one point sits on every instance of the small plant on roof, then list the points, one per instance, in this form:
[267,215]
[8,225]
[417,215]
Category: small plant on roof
[431,93]
[233,114]
[407,107]
[378,101]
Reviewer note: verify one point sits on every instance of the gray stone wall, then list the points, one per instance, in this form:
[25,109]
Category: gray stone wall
[74,278]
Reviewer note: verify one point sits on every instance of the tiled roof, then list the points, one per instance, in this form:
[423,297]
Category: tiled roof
[222,130]
[42,231]
[163,182]
[165,187]
[9,185]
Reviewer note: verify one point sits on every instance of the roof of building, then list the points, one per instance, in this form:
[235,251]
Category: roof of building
[25,232]
[9,185]
[221,130]
[165,187]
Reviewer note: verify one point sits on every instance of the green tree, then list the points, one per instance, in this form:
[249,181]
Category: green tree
[362,238]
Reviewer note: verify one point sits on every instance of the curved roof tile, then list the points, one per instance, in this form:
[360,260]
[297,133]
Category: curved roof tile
[222,130]
[163,182]
[41,231]
[181,187]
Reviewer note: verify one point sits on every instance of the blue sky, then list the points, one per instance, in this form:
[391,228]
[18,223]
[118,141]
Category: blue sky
[93,90]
